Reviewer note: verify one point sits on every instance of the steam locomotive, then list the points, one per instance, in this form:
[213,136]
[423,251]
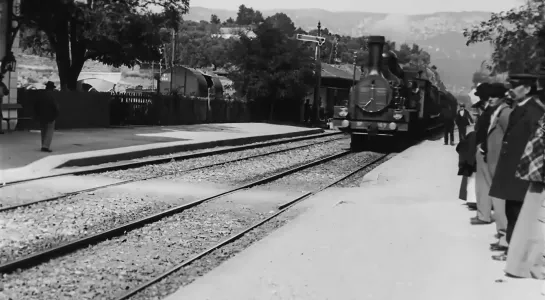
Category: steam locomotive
[401,103]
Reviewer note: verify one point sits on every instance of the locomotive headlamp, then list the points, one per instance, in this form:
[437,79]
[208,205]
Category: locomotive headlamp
[344,112]
[392,126]
[398,116]
[345,123]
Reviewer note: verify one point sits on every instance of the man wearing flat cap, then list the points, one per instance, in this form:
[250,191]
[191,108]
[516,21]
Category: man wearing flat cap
[46,111]
[523,122]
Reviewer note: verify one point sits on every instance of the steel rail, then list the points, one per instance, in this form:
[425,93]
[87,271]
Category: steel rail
[159,160]
[13,207]
[281,209]
[36,258]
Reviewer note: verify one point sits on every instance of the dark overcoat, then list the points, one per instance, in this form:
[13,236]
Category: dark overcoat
[522,123]
[464,121]
[466,149]
[46,109]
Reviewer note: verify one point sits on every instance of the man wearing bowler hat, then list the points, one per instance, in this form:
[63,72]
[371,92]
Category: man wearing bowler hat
[46,112]
[522,124]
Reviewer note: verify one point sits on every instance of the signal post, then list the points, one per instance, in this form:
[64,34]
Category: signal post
[319,41]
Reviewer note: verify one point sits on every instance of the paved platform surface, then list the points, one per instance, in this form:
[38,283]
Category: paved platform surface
[402,235]
[20,156]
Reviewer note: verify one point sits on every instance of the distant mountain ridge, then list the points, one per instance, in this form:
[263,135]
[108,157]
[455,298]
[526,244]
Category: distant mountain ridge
[439,33]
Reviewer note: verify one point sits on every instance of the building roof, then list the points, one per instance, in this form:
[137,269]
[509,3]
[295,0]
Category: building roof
[344,71]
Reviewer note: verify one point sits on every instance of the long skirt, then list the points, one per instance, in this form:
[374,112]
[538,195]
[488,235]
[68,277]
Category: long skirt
[467,189]
[527,246]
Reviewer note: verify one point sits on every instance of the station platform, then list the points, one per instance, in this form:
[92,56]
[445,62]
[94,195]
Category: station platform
[403,234]
[20,155]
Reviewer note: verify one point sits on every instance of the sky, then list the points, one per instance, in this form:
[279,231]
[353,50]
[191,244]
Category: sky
[390,6]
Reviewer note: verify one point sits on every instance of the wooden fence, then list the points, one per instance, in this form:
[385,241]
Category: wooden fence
[86,110]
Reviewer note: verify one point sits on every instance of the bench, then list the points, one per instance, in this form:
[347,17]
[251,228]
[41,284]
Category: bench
[8,119]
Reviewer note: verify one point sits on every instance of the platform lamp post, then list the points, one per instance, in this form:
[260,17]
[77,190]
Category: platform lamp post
[355,65]
[317,102]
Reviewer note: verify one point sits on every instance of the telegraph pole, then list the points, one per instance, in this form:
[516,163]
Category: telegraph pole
[172,59]
[355,65]
[317,101]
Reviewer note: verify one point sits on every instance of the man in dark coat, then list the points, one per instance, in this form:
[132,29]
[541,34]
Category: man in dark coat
[307,110]
[448,118]
[462,120]
[523,121]
[46,112]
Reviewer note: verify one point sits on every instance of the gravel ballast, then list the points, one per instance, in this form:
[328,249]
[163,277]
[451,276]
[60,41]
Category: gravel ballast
[107,269]
[175,167]
[246,171]
[42,226]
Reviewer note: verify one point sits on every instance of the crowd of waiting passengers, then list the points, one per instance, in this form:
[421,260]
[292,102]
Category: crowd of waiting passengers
[502,164]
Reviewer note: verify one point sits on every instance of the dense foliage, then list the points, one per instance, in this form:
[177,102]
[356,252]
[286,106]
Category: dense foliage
[115,32]
[264,60]
[517,37]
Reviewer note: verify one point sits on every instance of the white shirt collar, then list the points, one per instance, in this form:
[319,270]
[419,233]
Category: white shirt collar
[521,103]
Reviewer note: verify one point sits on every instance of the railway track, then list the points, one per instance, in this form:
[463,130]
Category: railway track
[162,160]
[281,209]
[163,221]
[36,258]
[165,159]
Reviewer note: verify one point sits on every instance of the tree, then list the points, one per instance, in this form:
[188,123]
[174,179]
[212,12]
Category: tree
[282,22]
[271,67]
[214,19]
[114,32]
[247,16]
[516,36]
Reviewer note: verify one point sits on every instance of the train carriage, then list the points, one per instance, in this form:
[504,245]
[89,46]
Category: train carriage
[391,101]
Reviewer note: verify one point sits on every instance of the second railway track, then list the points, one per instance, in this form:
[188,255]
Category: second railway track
[124,266]
[44,237]
[217,158]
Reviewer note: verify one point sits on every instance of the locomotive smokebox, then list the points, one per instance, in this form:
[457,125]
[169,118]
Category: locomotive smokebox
[376,46]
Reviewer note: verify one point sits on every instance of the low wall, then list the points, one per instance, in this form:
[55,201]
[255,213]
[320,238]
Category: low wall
[76,109]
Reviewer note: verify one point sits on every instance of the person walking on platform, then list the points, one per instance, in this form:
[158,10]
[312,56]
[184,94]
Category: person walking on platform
[448,120]
[46,112]
[485,92]
[492,149]
[522,123]
[462,120]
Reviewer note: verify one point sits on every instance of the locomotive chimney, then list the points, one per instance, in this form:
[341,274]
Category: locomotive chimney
[376,45]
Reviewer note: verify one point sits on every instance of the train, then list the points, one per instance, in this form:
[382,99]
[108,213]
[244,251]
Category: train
[401,103]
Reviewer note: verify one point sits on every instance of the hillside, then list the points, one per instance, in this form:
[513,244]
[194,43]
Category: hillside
[439,33]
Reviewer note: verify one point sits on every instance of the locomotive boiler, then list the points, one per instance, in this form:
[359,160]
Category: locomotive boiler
[400,103]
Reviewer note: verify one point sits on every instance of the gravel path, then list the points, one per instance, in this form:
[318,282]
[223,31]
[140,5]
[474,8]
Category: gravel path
[39,227]
[111,267]
[44,225]
[246,171]
[178,166]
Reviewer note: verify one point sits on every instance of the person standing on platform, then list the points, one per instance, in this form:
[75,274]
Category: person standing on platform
[307,110]
[46,112]
[448,120]
[482,177]
[494,141]
[525,256]
[462,120]
[522,123]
